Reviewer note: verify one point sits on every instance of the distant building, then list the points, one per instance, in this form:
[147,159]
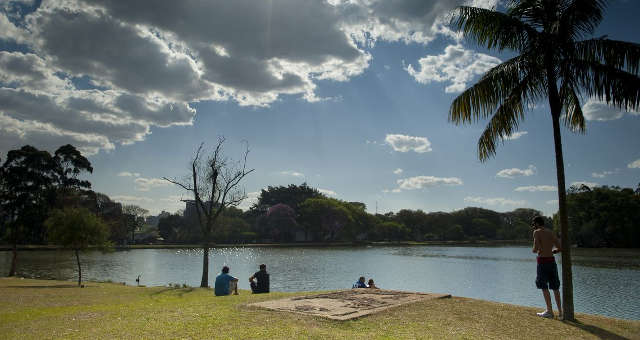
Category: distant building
[190,211]
[154,220]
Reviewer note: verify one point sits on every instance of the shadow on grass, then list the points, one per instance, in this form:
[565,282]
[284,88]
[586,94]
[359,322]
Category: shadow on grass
[597,331]
[45,286]
[180,291]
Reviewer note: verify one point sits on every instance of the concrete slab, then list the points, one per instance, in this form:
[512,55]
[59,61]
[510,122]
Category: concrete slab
[347,304]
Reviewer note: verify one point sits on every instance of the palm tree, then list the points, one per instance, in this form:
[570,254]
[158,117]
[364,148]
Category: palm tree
[558,60]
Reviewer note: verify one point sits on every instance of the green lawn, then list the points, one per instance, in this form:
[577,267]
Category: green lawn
[57,309]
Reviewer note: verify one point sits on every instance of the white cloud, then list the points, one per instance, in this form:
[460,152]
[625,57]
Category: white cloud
[252,198]
[128,199]
[404,143]
[128,174]
[292,173]
[594,109]
[516,135]
[634,165]
[107,71]
[514,172]
[581,183]
[494,201]
[457,65]
[398,171]
[606,173]
[146,184]
[552,202]
[419,182]
[327,192]
[534,188]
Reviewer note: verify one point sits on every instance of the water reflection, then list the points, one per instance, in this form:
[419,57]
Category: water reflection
[504,274]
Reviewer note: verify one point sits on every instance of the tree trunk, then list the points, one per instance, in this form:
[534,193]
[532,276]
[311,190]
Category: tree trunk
[204,283]
[567,276]
[79,269]
[555,104]
[14,260]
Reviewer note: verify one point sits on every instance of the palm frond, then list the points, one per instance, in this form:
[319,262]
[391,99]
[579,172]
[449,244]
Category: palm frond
[481,100]
[573,116]
[607,83]
[492,29]
[508,116]
[619,54]
[581,17]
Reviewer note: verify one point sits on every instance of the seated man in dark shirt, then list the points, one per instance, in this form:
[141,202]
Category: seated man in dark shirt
[262,286]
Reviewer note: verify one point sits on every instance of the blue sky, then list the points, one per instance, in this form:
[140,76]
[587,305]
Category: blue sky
[349,96]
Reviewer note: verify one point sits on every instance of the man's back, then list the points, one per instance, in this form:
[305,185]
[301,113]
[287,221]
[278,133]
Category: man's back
[222,284]
[544,240]
[262,285]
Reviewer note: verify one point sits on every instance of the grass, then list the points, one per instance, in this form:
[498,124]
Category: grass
[39,309]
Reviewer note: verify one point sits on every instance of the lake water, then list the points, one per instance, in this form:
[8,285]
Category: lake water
[606,282]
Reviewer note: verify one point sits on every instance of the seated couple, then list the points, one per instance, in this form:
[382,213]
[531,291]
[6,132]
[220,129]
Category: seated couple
[225,283]
[360,283]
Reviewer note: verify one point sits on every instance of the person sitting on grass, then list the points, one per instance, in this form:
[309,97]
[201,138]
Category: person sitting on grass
[360,283]
[225,283]
[262,286]
[547,273]
[372,284]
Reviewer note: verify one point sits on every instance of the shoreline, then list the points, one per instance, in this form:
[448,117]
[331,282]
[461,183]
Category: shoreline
[491,243]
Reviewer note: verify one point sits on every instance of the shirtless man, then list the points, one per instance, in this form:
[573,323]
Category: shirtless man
[544,241]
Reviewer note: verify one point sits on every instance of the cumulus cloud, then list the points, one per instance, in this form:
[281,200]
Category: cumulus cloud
[516,135]
[534,188]
[634,165]
[398,171]
[494,201]
[292,173]
[581,183]
[328,192]
[146,184]
[605,173]
[552,202]
[404,143]
[128,174]
[106,71]
[252,198]
[456,66]
[515,172]
[597,110]
[419,182]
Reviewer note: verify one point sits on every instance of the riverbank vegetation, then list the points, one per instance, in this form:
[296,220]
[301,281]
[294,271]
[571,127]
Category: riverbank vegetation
[31,309]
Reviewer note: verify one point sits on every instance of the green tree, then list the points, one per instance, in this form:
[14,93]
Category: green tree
[77,229]
[291,195]
[134,218]
[553,62]
[214,183]
[325,216]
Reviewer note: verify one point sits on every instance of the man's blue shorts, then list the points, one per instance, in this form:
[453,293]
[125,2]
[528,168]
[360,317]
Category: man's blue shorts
[547,277]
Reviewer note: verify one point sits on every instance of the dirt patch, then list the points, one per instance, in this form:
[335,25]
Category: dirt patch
[347,304]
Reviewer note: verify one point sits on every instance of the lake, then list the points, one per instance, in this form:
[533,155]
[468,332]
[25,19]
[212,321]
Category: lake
[606,282]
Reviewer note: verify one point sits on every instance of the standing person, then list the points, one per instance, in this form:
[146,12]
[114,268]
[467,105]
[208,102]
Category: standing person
[262,286]
[360,283]
[544,241]
[223,283]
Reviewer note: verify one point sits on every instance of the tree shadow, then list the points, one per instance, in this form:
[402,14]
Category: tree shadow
[597,331]
[45,286]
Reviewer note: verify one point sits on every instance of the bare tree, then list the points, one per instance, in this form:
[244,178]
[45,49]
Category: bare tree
[214,183]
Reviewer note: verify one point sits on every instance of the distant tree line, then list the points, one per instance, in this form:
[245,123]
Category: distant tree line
[299,213]
[603,216]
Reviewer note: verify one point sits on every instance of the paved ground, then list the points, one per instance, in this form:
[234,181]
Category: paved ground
[347,304]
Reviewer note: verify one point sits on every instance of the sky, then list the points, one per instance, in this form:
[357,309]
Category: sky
[349,96]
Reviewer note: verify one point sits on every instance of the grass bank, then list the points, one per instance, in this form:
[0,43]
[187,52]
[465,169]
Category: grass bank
[41,309]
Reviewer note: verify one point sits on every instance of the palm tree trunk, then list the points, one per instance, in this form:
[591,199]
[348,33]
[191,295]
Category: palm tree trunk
[79,269]
[204,283]
[555,104]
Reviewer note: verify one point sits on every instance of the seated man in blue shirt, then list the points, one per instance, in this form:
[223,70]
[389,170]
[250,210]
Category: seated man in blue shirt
[223,282]
[360,283]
